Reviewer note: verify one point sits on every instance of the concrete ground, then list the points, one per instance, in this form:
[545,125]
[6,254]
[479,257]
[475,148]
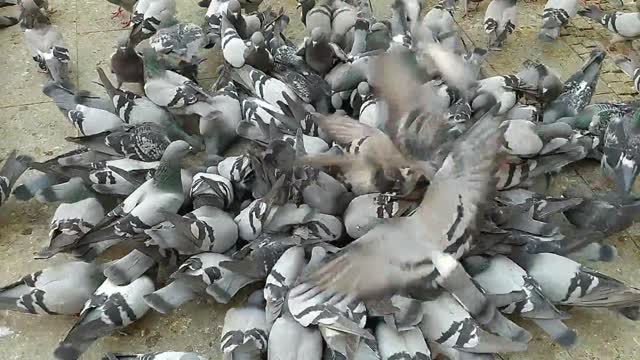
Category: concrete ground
[30,122]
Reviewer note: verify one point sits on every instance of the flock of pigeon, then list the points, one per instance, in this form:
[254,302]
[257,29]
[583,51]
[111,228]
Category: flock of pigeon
[381,201]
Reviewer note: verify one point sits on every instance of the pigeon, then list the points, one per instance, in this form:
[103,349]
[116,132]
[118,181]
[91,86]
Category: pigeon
[205,229]
[620,150]
[448,324]
[608,213]
[282,277]
[343,20]
[257,55]
[58,290]
[540,81]
[500,21]
[144,142]
[623,26]
[239,170]
[630,65]
[316,15]
[472,171]
[110,308]
[263,86]
[14,166]
[367,211]
[503,88]
[555,16]
[527,139]
[47,47]
[288,340]
[172,90]
[245,333]
[395,344]
[379,37]
[577,91]
[596,117]
[199,275]
[566,282]
[146,206]
[149,16]
[219,131]
[233,47]
[79,212]
[7,21]
[165,355]
[182,40]
[499,275]
[136,109]
[210,189]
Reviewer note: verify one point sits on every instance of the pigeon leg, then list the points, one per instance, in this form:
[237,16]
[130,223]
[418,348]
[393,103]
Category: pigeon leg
[118,13]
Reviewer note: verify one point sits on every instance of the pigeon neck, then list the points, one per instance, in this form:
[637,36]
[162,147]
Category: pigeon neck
[167,175]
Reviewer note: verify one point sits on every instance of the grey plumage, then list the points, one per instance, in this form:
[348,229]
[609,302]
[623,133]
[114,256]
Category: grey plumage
[631,67]
[566,282]
[48,48]
[288,340]
[7,21]
[111,308]
[13,167]
[281,278]
[621,147]
[182,40]
[149,16]
[499,21]
[245,332]
[577,90]
[624,26]
[607,212]
[211,190]
[555,16]
[409,344]
[126,64]
[164,355]
[60,289]
[200,275]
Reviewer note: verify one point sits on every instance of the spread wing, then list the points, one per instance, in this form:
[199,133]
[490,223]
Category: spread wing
[397,253]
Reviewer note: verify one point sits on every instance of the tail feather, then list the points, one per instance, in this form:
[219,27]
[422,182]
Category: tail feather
[592,12]
[558,332]
[170,297]
[108,85]
[63,97]
[14,167]
[128,268]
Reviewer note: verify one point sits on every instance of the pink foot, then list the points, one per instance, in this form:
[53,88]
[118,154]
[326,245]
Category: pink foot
[118,13]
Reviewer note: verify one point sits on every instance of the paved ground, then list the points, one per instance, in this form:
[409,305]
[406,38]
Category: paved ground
[30,123]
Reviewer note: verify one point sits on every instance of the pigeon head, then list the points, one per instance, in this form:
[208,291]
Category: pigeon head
[257,39]
[363,89]
[177,150]
[317,35]
[234,8]
[379,26]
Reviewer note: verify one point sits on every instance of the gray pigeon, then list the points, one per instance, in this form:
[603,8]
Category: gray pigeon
[555,16]
[219,130]
[205,229]
[233,47]
[368,210]
[144,142]
[146,206]
[408,344]
[258,55]
[448,324]
[500,21]
[566,282]
[164,355]
[319,53]
[136,109]
[281,278]
[239,170]
[631,66]
[172,90]
[182,40]
[200,275]
[263,86]
[245,333]
[596,117]
[343,20]
[111,308]
[316,14]
[620,150]
[126,64]
[149,16]
[577,91]
[60,289]
[209,189]
[288,340]
[623,26]
[540,81]
[608,213]
[78,213]
[474,159]
[48,47]
[14,166]
[499,275]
